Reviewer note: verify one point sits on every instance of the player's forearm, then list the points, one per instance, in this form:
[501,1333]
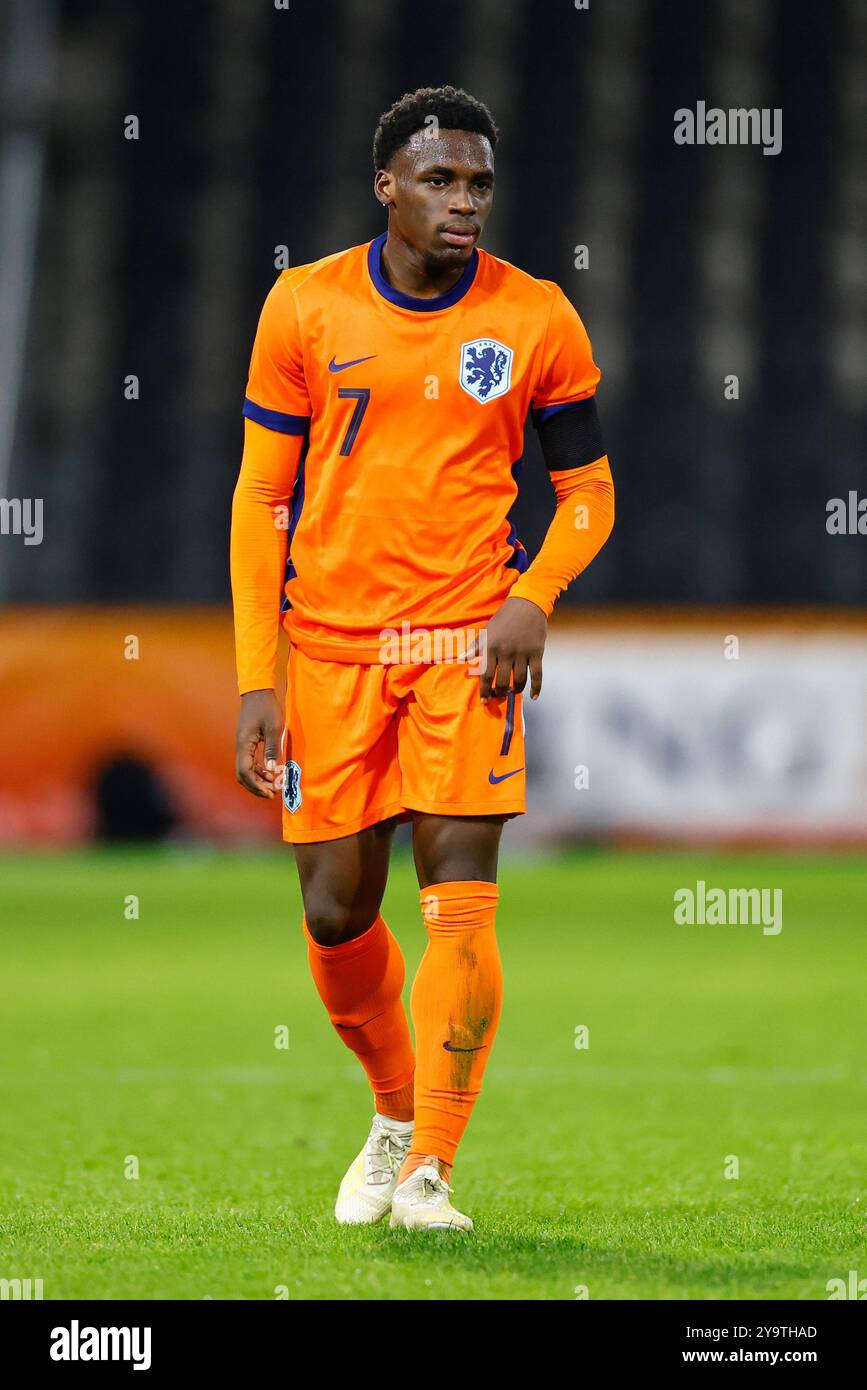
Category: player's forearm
[259,540]
[581,525]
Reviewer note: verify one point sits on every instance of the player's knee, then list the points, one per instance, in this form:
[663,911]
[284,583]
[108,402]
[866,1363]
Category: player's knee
[330,922]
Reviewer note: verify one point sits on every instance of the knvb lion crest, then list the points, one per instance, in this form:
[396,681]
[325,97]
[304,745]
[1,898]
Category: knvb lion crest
[486,368]
[292,786]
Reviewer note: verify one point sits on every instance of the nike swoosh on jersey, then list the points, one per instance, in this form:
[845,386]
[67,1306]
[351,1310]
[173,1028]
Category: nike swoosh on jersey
[493,779]
[334,366]
[448,1047]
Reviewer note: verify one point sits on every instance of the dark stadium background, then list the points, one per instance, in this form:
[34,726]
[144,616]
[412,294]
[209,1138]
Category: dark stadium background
[152,257]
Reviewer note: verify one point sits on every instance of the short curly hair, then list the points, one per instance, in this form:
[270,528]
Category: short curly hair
[453,108]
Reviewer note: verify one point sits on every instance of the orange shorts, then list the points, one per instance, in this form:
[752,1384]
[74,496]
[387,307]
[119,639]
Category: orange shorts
[366,742]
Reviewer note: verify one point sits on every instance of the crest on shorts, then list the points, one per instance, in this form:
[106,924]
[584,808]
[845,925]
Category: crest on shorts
[486,368]
[292,786]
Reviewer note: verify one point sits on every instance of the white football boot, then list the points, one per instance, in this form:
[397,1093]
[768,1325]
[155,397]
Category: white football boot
[421,1203]
[368,1187]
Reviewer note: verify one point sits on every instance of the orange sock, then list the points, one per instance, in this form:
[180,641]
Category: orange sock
[456,999]
[360,983]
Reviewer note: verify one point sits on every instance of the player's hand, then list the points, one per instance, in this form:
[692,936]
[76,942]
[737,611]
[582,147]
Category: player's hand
[514,640]
[260,722]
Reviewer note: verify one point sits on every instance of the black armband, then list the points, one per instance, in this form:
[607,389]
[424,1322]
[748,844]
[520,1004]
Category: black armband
[570,435]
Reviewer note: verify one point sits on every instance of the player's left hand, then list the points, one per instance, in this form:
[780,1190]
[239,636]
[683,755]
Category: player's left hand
[514,641]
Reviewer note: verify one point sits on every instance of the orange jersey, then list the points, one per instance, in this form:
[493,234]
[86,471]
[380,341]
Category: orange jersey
[412,414]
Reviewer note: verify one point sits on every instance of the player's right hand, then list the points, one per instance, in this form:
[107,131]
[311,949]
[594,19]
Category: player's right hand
[260,722]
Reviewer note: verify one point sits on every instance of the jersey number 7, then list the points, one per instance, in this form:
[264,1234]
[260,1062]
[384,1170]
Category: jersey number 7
[361,396]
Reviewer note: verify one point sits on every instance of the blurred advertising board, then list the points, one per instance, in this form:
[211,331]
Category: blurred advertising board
[688,727]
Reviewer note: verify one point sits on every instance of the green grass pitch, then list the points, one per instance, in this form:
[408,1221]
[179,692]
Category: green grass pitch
[602,1168]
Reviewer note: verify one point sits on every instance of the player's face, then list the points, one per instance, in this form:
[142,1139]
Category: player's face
[439,192]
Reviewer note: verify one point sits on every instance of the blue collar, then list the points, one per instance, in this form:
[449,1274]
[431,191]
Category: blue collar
[409,301]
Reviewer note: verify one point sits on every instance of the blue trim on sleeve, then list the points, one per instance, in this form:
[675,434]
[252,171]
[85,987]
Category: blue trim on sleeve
[408,301]
[275,419]
[545,412]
